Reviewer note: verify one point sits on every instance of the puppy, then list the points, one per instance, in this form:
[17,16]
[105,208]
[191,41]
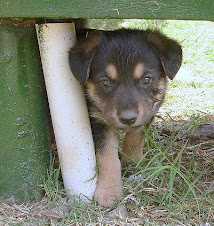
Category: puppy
[125,75]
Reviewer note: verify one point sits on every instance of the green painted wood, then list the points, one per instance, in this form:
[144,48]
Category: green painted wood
[24,143]
[147,9]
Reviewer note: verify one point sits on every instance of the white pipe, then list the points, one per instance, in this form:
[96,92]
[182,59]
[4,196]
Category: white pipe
[68,110]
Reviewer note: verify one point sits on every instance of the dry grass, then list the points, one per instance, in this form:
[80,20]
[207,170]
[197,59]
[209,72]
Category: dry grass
[171,185]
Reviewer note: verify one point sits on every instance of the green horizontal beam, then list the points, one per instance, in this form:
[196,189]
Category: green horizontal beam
[145,9]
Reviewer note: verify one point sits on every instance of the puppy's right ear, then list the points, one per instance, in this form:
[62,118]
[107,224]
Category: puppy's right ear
[169,51]
[81,55]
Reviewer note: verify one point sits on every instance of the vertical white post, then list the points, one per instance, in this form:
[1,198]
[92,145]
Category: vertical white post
[68,109]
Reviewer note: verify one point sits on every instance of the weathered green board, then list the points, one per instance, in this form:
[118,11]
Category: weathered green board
[24,143]
[147,9]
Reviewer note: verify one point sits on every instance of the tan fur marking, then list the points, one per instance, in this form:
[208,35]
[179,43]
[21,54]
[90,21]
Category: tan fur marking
[162,87]
[132,146]
[109,186]
[97,102]
[112,72]
[92,94]
[138,71]
[141,109]
[162,84]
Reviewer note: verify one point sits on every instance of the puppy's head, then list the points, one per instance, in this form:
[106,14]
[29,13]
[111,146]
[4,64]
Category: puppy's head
[125,73]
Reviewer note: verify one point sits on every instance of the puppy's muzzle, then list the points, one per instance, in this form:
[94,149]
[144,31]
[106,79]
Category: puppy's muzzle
[128,117]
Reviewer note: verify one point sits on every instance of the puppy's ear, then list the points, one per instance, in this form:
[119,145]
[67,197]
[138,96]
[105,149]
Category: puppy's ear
[169,51]
[81,55]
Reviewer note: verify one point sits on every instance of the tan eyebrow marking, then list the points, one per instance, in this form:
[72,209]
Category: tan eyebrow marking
[138,70]
[112,72]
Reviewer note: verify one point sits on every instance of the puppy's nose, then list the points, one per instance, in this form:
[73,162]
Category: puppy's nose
[128,117]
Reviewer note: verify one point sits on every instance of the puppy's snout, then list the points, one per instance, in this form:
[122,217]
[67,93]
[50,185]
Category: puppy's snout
[128,117]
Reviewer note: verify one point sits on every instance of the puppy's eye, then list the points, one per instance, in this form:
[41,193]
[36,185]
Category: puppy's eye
[145,81]
[106,82]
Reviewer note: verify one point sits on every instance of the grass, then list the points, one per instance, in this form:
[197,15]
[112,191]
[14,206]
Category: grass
[173,184]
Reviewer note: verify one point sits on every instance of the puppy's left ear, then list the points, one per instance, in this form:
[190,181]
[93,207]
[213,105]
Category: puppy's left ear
[169,51]
[81,55]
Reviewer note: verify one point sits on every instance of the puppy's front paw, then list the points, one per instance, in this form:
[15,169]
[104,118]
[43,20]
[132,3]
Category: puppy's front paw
[107,195]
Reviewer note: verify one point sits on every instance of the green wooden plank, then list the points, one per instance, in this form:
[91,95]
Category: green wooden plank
[24,143]
[147,9]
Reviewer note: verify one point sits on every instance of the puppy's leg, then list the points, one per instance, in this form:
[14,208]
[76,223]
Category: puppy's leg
[109,185]
[133,146]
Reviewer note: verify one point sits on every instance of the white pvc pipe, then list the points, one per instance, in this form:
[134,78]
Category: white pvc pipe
[68,110]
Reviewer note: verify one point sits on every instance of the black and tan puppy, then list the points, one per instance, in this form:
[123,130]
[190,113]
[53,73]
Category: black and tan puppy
[125,74]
